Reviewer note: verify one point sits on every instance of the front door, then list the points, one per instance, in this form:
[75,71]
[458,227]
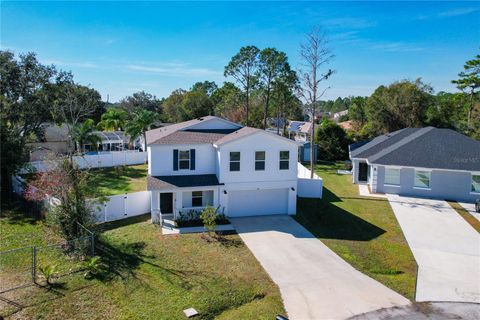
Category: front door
[362,171]
[166,203]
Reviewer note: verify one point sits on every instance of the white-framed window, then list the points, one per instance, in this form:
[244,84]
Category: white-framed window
[392,176]
[197,198]
[259,160]
[476,183]
[284,160]
[235,161]
[184,159]
[422,179]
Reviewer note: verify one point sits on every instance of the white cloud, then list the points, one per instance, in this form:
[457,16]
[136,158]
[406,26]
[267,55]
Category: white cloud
[458,12]
[396,47]
[174,69]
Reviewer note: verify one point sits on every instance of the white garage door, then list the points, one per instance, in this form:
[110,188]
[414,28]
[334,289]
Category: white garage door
[257,202]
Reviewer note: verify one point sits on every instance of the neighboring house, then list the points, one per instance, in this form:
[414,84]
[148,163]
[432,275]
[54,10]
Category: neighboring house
[299,130]
[55,140]
[210,161]
[338,115]
[424,162]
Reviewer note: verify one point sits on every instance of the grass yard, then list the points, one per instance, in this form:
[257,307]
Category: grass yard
[148,276]
[363,231]
[465,215]
[117,180]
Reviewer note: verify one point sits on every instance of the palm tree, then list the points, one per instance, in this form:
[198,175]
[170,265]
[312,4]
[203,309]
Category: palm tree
[141,122]
[84,134]
[112,120]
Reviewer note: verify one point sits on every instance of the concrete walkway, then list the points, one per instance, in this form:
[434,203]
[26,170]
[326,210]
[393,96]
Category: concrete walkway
[365,192]
[446,247]
[314,282]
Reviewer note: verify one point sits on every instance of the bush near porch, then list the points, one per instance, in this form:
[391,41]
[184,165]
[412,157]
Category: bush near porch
[363,231]
[149,276]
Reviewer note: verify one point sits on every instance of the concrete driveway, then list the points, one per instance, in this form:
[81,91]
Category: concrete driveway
[470,207]
[446,247]
[314,282]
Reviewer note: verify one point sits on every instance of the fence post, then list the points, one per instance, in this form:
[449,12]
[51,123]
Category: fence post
[34,264]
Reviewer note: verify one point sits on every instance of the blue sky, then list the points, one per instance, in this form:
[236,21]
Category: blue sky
[122,47]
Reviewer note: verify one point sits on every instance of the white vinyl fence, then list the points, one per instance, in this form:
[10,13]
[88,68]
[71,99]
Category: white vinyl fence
[307,187]
[101,160]
[122,206]
[114,208]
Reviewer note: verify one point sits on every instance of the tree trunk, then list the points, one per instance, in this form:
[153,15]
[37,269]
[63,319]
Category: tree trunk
[267,101]
[248,98]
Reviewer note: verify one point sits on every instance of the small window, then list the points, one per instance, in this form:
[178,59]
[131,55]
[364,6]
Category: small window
[392,176]
[259,160]
[476,183]
[284,160]
[422,179]
[184,159]
[197,198]
[234,161]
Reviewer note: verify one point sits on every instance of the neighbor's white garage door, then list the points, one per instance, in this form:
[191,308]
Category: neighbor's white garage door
[257,202]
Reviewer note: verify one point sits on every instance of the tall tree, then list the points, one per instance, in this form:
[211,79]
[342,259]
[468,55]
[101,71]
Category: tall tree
[26,97]
[243,67]
[112,120]
[141,122]
[227,101]
[208,87]
[315,56]
[271,64]
[400,105]
[285,87]
[172,105]
[141,101]
[469,81]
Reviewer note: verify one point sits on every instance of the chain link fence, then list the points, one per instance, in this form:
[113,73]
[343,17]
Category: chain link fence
[24,266]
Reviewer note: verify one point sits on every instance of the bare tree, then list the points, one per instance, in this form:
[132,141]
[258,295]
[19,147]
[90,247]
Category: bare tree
[315,55]
[75,104]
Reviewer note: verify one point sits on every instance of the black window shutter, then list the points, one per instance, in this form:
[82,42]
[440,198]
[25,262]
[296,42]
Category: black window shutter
[192,159]
[175,160]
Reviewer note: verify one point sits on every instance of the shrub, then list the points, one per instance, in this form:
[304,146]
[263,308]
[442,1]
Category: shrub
[93,266]
[48,272]
[208,216]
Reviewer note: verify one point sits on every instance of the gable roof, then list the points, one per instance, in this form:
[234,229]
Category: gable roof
[427,147]
[248,131]
[156,136]
[185,133]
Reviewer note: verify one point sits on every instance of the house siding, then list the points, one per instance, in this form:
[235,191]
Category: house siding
[160,159]
[450,185]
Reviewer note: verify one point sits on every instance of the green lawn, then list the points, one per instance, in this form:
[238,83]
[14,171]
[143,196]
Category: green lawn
[149,276]
[363,231]
[117,180]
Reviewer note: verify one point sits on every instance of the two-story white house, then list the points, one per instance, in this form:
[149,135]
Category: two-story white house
[210,161]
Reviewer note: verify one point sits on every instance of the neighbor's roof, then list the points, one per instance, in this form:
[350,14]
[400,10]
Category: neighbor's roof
[185,181]
[427,147]
[300,126]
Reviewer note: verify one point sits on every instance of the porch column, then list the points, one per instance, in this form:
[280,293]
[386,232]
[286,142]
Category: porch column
[216,201]
[155,206]
[178,196]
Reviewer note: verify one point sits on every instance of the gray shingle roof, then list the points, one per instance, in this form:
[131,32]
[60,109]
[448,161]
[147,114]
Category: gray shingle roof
[156,134]
[190,137]
[245,131]
[424,148]
[181,181]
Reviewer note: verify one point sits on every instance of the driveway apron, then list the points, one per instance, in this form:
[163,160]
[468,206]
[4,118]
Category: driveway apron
[314,282]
